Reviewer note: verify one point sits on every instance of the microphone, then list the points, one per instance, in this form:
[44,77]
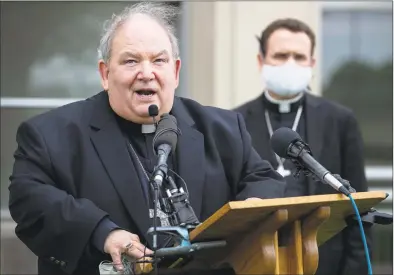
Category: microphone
[164,143]
[153,111]
[287,144]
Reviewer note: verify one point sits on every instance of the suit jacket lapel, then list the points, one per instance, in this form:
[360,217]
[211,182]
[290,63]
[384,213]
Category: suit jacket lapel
[190,156]
[314,132]
[111,147]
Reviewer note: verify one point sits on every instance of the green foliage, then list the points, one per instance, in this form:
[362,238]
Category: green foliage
[366,89]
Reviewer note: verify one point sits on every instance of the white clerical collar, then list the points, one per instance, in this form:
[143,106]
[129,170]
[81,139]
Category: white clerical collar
[148,128]
[284,104]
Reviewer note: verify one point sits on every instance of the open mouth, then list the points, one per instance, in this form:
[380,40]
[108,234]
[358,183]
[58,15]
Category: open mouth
[145,92]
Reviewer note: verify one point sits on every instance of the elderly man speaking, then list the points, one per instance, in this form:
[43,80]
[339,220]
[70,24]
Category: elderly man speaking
[80,191]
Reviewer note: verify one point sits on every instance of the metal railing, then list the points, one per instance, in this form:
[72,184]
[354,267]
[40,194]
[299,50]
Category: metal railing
[35,102]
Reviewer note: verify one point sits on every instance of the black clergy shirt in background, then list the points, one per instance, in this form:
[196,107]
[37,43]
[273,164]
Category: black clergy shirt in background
[295,187]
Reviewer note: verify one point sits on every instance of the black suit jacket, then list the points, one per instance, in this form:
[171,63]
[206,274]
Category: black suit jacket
[72,168]
[335,141]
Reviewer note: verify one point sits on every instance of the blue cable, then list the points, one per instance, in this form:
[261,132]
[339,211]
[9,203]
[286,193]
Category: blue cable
[362,234]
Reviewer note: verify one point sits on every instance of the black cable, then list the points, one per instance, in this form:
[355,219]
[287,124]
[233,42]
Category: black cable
[183,181]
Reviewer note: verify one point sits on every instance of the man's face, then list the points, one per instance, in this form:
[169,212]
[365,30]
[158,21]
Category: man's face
[141,70]
[284,45]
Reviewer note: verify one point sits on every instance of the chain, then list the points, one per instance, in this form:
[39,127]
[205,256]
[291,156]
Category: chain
[139,162]
[271,131]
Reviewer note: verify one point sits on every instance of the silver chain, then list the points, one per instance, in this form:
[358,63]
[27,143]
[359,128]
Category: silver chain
[294,128]
[161,215]
[139,161]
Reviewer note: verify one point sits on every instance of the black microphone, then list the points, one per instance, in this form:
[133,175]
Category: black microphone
[287,144]
[153,111]
[164,143]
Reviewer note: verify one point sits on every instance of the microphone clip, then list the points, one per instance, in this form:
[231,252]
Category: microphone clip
[297,148]
[301,169]
[307,173]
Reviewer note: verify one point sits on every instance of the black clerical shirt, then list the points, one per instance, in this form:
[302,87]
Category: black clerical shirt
[295,187]
[143,148]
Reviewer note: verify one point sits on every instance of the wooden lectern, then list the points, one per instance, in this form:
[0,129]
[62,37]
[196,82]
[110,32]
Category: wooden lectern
[275,236]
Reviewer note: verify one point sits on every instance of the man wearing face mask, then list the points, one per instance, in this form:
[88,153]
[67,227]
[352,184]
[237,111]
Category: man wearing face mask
[285,61]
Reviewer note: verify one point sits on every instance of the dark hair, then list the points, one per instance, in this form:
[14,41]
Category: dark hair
[291,24]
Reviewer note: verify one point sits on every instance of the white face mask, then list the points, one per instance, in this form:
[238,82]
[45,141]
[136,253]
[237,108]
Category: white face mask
[287,79]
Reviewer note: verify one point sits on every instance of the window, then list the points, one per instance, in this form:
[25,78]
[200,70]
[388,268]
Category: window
[358,72]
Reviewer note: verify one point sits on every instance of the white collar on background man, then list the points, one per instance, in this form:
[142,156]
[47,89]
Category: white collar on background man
[284,105]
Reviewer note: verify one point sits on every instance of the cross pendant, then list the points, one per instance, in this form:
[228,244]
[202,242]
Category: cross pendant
[284,172]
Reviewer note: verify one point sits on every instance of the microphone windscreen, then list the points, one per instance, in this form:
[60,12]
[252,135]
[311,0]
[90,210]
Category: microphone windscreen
[282,139]
[153,110]
[166,132]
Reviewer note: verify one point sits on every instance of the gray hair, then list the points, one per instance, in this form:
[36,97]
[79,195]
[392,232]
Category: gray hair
[164,14]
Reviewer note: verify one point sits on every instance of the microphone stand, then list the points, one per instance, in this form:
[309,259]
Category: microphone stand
[156,189]
[156,196]
[161,169]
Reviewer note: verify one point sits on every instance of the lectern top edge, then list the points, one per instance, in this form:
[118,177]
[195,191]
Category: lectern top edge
[283,203]
[380,195]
